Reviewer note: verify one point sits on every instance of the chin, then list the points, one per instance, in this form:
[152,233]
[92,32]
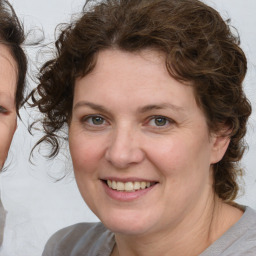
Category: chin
[126,229]
[126,224]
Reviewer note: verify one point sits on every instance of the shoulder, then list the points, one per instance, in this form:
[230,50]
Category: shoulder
[80,239]
[246,232]
[245,236]
[239,240]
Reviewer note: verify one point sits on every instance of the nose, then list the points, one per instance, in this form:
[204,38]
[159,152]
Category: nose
[124,149]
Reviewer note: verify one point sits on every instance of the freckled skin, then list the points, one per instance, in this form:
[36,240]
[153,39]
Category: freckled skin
[8,115]
[130,142]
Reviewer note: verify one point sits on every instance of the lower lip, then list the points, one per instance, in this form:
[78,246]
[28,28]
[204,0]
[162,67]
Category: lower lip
[126,196]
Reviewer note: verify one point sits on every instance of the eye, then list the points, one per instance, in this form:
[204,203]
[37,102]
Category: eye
[94,120]
[3,110]
[159,121]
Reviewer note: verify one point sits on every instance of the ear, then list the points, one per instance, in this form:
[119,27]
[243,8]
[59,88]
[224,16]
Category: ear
[220,144]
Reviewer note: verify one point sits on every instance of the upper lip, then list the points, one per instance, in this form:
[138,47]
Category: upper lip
[128,179]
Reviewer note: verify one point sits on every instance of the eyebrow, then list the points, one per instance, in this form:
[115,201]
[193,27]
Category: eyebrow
[142,110]
[91,105]
[161,106]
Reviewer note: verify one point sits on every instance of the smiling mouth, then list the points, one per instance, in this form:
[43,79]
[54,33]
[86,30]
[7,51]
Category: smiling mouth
[129,186]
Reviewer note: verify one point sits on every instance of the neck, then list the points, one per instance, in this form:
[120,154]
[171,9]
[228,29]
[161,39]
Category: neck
[189,238]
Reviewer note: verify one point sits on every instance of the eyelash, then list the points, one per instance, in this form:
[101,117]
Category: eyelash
[89,120]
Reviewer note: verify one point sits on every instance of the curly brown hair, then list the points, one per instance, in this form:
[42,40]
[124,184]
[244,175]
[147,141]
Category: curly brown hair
[12,35]
[199,48]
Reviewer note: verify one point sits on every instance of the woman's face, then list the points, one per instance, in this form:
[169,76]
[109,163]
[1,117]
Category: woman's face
[140,145]
[8,81]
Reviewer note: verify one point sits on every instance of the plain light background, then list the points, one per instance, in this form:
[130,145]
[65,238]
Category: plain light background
[37,205]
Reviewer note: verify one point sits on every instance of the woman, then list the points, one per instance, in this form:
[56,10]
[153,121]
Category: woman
[13,72]
[151,91]
[13,65]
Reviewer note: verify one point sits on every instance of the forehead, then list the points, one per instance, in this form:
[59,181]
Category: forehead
[132,79]
[8,72]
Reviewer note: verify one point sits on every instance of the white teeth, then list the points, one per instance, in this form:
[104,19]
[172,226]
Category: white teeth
[113,185]
[128,186]
[143,185]
[120,186]
[136,185]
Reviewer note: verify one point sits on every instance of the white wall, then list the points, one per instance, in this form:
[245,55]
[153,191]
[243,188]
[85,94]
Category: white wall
[37,206]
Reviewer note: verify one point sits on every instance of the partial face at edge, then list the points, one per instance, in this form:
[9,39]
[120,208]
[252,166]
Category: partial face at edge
[8,115]
[133,123]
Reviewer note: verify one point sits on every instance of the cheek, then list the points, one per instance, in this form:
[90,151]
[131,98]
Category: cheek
[86,154]
[7,130]
[184,171]
[169,154]
[181,155]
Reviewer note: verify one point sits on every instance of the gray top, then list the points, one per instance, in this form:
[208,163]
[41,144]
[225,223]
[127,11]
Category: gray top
[93,239]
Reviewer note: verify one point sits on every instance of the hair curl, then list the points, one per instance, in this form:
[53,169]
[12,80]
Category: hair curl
[12,35]
[199,48]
